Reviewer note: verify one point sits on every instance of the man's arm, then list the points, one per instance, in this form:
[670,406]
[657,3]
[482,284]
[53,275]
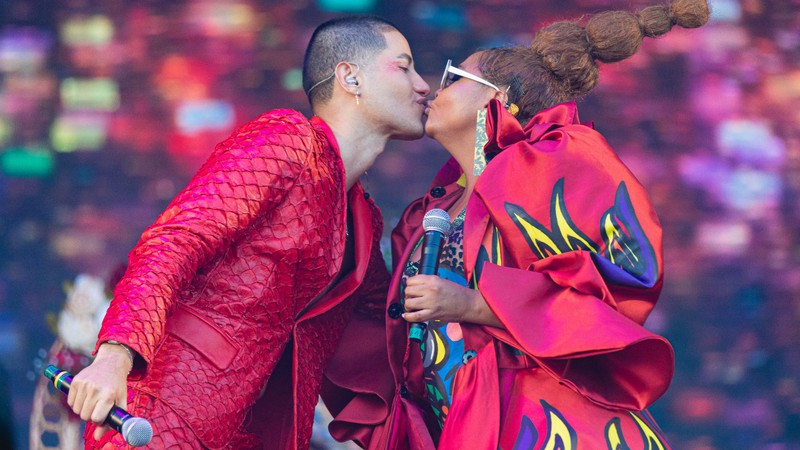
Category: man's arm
[246,176]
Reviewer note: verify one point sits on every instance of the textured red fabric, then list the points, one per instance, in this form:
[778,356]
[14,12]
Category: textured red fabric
[242,252]
[563,243]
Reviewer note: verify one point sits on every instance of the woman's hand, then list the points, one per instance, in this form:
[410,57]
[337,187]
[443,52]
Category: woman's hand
[429,297]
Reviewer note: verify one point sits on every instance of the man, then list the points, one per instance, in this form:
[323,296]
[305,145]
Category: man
[235,298]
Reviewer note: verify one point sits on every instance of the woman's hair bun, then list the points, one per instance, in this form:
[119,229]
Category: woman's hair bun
[690,13]
[563,63]
[614,35]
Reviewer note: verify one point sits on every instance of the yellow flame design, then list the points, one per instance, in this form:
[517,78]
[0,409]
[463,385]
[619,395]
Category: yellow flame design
[650,438]
[568,233]
[498,244]
[557,427]
[611,234]
[538,236]
[613,237]
[616,440]
[614,437]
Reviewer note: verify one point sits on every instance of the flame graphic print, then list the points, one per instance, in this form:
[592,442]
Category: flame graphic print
[616,440]
[626,245]
[484,256]
[565,235]
[562,436]
[614,437]
[650,437]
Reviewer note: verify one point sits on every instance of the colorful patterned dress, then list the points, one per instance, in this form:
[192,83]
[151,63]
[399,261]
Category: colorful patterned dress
[443,349]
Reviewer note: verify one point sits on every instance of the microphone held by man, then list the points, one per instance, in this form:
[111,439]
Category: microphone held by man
[135,430]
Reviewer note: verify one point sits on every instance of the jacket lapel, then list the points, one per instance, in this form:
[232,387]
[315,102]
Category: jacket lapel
[363,234]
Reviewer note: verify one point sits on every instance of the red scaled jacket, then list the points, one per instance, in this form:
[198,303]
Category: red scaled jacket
[562,242]
[225,278]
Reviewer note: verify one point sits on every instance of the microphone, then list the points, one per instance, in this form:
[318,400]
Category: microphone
[135,430]
[436,224]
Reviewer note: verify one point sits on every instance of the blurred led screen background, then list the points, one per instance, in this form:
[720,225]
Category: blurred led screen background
[108,107]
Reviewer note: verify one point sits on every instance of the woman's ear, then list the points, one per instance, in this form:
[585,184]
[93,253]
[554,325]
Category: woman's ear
[502,96]
[505,100]
[499,95]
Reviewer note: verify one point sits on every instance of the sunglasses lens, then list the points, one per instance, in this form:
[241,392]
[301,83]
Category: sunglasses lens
[451,78]
[444,83]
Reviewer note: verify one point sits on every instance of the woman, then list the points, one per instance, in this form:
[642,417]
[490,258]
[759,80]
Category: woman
[535,336]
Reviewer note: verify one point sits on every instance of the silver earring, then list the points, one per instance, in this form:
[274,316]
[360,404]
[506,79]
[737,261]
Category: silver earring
[358,94]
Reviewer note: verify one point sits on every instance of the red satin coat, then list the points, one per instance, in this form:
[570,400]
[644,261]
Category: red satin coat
[227,279]
[562,241]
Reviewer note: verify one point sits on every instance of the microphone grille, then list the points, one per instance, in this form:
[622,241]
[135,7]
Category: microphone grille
[137,431]
[437,220]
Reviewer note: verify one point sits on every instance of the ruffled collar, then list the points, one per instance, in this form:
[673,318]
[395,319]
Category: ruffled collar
[503,131]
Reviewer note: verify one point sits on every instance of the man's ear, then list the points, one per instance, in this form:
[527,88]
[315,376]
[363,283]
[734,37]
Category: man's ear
[347,76]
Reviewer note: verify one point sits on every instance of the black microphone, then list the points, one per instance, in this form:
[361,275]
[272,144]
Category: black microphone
[436,224]
[135,430]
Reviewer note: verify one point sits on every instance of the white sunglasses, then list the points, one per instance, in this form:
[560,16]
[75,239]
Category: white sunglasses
[452,74]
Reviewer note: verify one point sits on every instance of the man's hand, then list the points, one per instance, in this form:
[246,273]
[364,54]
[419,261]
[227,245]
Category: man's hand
[101,385]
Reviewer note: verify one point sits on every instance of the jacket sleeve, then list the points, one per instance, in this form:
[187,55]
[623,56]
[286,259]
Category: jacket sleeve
[580,264]
[246,176]
[562,315]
